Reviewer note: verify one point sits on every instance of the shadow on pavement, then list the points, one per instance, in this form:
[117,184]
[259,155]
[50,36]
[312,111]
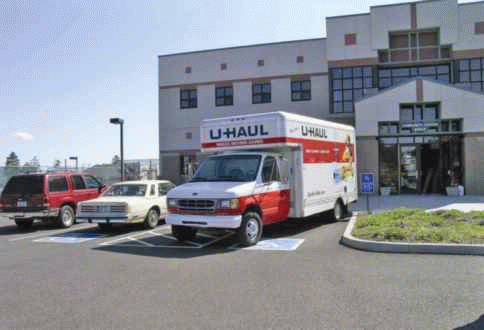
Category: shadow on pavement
[476,325]
[165,245]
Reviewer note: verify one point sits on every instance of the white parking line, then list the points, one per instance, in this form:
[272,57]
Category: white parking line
[141,242]
[132,236]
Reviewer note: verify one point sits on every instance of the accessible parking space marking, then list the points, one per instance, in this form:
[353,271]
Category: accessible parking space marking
[279,244]
[164,239]
[57,232]
[69,238]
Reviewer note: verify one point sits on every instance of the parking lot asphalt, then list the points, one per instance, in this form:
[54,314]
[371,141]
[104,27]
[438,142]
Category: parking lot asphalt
[131,278]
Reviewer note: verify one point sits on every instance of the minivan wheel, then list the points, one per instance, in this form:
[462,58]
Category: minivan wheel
[66,216]
[24,224]
[250,230]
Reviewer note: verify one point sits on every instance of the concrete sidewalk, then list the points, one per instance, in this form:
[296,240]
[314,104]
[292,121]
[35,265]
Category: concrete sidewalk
[428,202]
[379,203]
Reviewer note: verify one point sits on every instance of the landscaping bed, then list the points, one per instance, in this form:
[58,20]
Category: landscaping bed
[416,225]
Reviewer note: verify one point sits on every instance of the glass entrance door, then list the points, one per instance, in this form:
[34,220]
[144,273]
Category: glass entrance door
[409,177]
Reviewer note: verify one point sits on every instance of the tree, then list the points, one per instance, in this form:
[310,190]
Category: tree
[34,162]
[116,160]
[12,160]
[57,163]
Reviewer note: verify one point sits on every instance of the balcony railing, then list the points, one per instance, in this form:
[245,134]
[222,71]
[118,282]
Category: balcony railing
[414,54]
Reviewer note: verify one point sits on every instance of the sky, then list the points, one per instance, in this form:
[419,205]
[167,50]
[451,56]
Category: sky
[67,67]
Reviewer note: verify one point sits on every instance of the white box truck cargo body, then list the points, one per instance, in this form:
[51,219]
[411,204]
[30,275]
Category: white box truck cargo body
[265,168]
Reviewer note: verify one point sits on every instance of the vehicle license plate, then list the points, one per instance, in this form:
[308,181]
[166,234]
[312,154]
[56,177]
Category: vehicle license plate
[21,203]
[103,208]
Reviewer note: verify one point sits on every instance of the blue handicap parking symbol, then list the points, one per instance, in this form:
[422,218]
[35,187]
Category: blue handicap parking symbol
[69,238]
[367,183]
[280,244]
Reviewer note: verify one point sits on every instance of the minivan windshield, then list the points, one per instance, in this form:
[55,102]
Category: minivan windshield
[28,184]
[240,168]
[126,190]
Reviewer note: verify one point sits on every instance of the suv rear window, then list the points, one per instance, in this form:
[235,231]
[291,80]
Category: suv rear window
[24,185]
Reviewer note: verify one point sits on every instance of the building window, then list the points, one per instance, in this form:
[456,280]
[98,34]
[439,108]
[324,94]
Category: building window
[301,90]
[223,66]
[188,69]
[261,93]
[260,63]
[479,27]
[188,98]
[395,76]
[188,135]
[224,96]
[348,85]
[300,59]
[350,39]
[469,74]
[413,45]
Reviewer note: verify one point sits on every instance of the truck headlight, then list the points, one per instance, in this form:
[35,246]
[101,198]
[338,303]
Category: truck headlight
[172,202]
[232,203]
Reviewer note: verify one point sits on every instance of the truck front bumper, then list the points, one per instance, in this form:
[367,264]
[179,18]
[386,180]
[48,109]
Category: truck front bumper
[205,221]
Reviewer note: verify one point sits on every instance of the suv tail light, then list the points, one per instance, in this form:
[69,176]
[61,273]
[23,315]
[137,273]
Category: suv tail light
[45,202]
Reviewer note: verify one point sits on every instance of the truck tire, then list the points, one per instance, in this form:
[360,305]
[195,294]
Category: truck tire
[250,230]
[338,211]
[24,224]
[66,216]
[152,219]
[183,233]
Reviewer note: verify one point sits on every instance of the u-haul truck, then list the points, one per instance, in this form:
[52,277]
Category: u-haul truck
[263,169]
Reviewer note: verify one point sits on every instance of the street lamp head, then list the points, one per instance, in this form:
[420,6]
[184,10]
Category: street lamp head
[116,121]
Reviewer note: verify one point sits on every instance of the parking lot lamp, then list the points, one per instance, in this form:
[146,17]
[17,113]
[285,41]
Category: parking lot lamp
[75,158]
[120,122]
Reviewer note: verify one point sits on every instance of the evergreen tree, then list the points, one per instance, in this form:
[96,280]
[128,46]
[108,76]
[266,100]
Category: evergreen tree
[12,160]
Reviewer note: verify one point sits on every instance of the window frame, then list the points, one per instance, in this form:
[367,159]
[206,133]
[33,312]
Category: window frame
[226,99]
[262,96]
[298,88]
[188,98]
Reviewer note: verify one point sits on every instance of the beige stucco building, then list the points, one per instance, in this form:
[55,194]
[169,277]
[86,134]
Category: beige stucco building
[409,77]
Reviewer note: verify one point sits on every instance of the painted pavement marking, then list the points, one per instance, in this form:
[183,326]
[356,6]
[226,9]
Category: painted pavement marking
[69,238]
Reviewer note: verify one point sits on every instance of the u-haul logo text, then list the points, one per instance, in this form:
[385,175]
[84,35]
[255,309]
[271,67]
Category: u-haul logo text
[237,132]
[314,131]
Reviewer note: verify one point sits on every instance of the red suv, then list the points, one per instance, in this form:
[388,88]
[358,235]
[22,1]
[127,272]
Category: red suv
[47,196]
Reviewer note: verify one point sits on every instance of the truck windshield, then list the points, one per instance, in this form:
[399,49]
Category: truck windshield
[241,168]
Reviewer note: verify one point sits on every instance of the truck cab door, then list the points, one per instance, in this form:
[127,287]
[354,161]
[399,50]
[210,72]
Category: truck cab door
[273,192]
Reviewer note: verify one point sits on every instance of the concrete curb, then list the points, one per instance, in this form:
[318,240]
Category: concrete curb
[392,247]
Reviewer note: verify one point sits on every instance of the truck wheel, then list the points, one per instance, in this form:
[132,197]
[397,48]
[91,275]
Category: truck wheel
[66,216]
[338,211]
[183,233]
[152,218]
[250,230]
[24,224]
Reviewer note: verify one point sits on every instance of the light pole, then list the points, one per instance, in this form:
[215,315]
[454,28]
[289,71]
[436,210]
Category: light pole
[120,122]
[75,158]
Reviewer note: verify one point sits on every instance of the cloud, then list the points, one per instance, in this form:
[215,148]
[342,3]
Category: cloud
[24,136]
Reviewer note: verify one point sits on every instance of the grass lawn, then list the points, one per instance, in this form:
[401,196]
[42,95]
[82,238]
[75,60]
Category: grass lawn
[416,225]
